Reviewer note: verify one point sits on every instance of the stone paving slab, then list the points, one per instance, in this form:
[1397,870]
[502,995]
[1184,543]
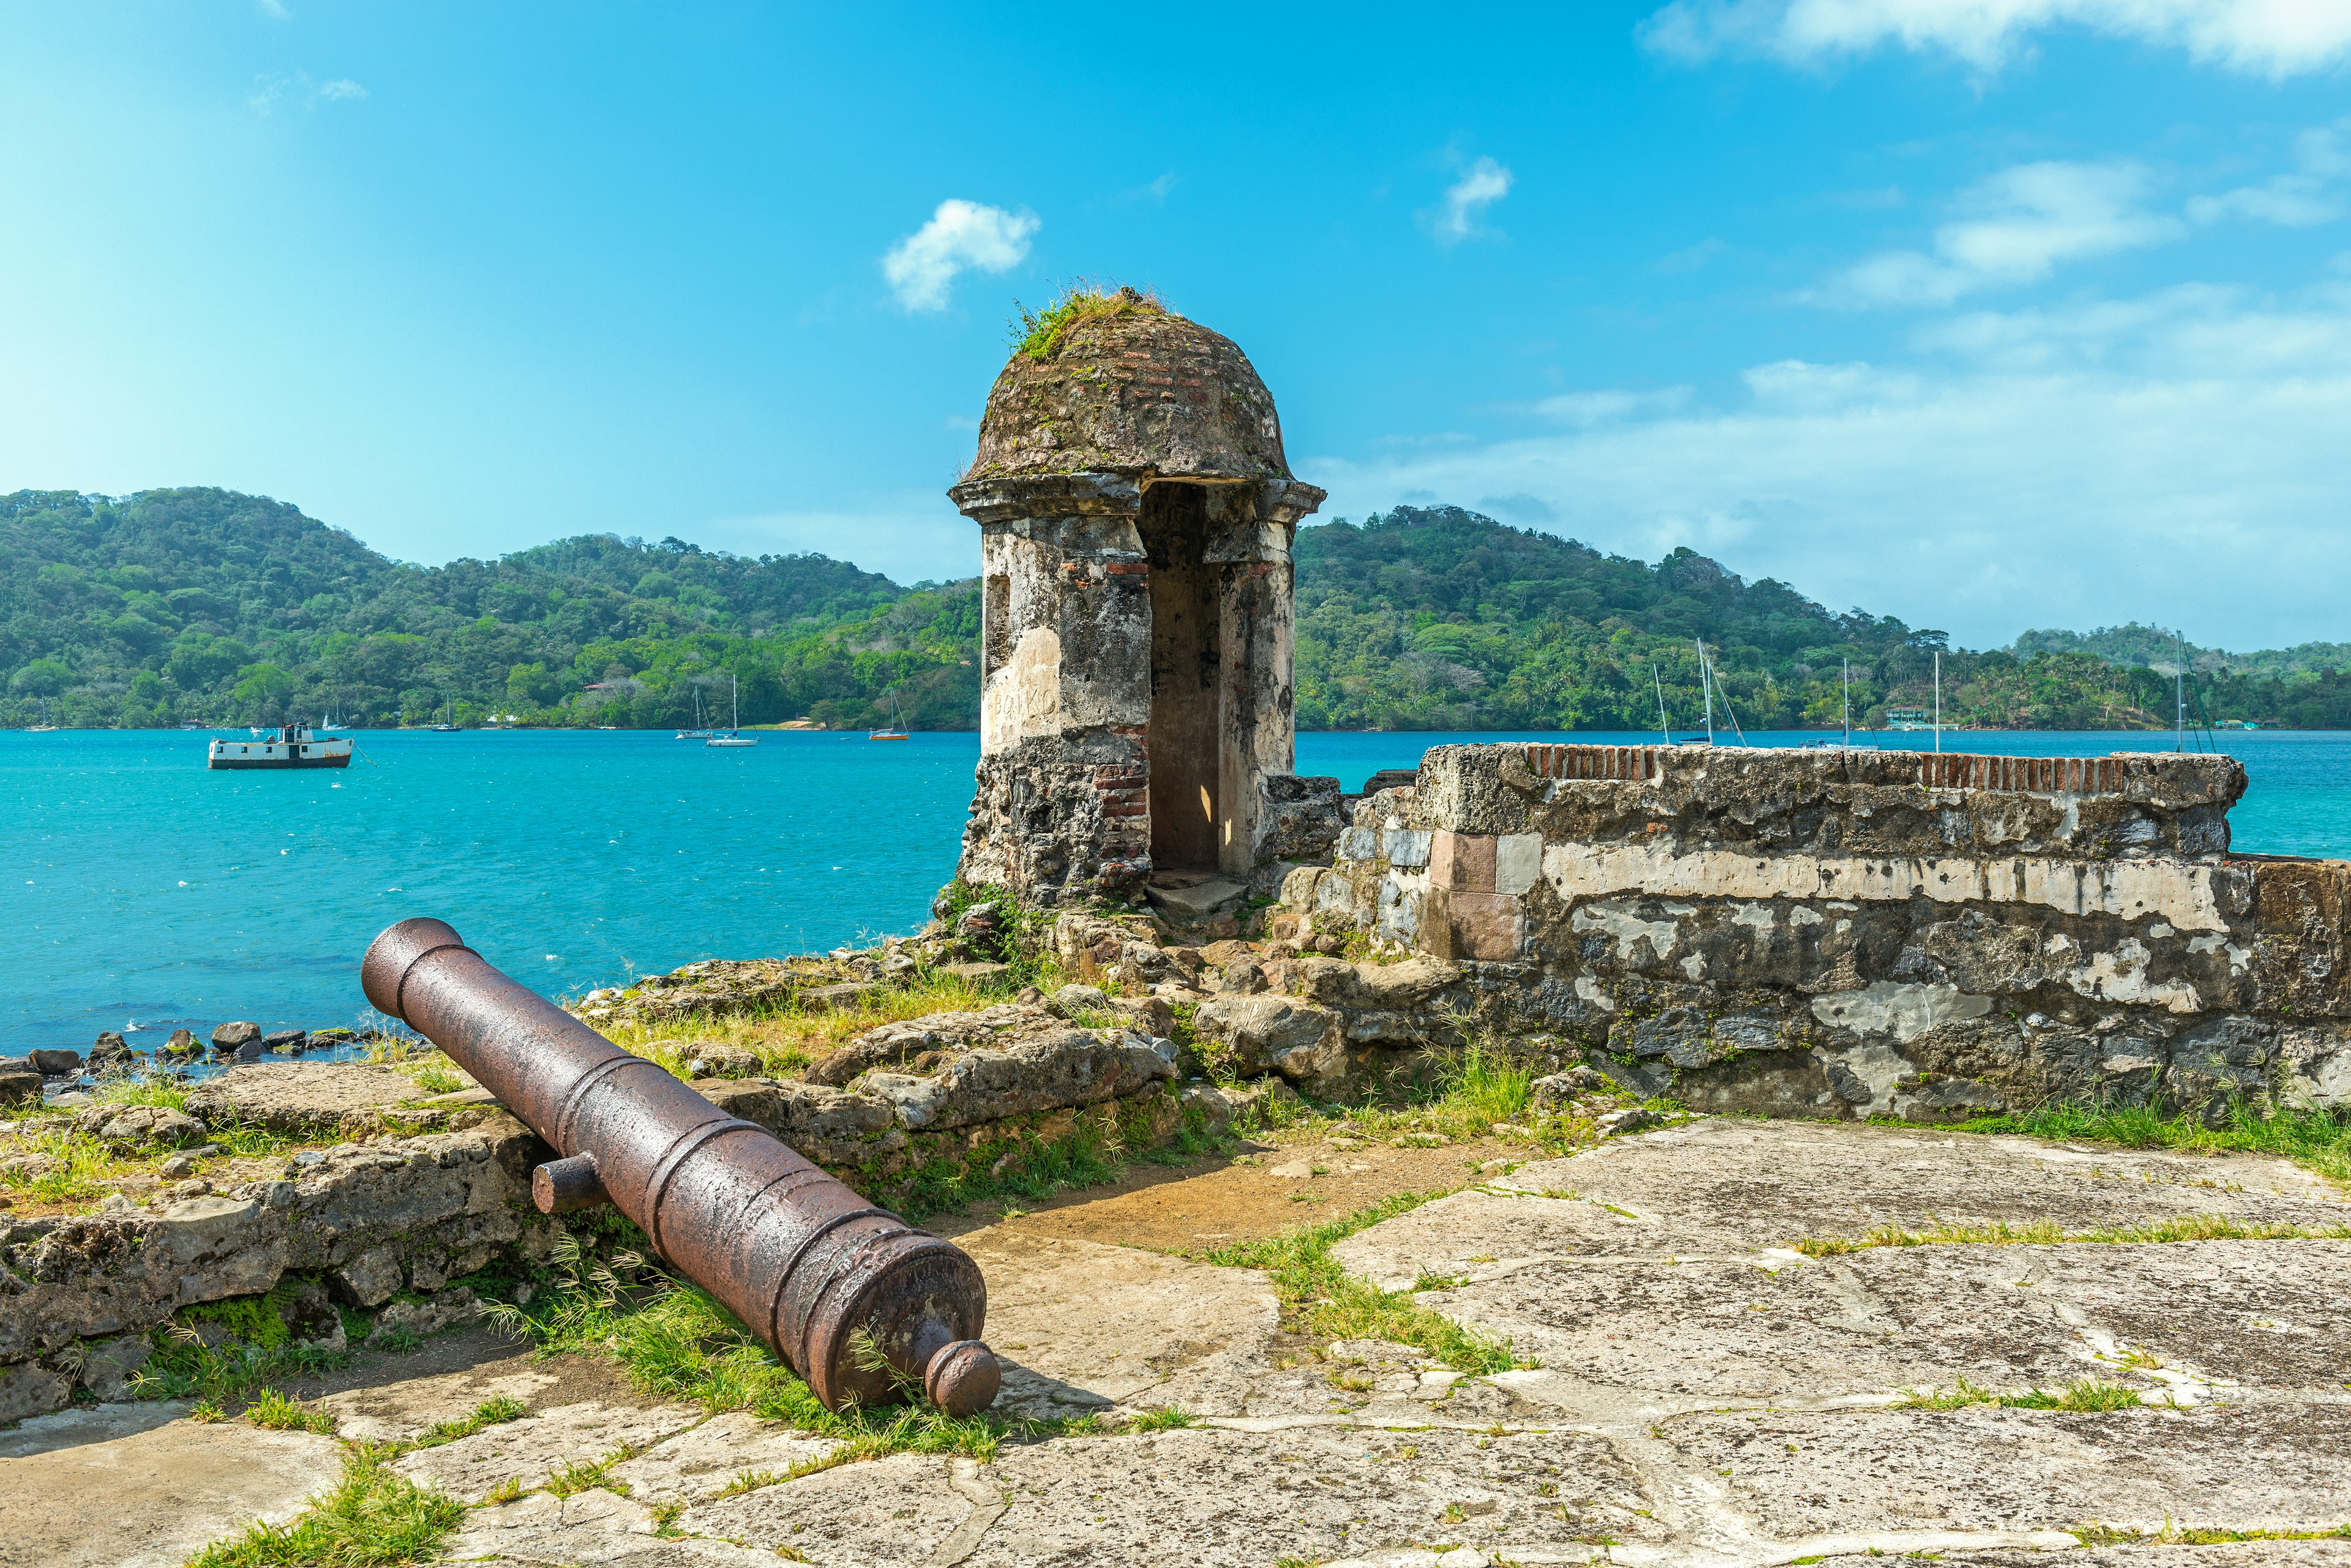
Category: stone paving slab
[1314,1493]
[529,1450]
[1793,1475]
[1724,1184]
[901,1509]
[1083,1326]
[2275,1316]
[404,1409]
[137,1486]
[594,1526]
[699,1463]
[2137,1554]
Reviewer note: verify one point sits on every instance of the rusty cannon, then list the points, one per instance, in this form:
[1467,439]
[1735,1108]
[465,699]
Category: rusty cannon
[859,1302]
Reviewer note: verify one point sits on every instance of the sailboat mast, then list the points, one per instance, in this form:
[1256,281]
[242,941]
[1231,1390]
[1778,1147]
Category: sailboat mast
[1844,703]
[1706,685]
[1657,683]
[2180,687]
[1938,700]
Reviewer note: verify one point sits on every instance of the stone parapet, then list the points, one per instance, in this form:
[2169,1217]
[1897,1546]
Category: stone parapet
[1846,932]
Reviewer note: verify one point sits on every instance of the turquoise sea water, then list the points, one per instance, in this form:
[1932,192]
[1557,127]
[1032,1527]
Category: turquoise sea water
[140,888]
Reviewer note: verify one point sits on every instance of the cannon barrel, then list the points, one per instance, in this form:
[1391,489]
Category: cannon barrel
[856,1300]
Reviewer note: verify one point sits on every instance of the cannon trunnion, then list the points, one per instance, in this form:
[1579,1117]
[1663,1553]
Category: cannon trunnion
[856,1300]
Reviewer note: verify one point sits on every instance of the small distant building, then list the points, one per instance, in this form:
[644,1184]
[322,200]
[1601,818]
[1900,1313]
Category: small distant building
[1136,514]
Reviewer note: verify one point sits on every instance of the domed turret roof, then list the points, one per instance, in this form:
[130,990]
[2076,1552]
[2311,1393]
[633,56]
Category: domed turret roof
[1117,383]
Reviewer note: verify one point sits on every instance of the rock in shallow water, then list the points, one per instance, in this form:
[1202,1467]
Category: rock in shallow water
[230,1036]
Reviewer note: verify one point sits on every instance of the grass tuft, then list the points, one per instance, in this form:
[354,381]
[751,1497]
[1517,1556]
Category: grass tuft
[2043,1232]
[488,1413]
[1162,1418]
[1039,333]
[2083,1394]
[373,1518]
[277,1413]
[1319,1296]
[2319,1139]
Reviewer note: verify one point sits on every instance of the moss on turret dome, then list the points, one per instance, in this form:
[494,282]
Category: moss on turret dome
[1118,384]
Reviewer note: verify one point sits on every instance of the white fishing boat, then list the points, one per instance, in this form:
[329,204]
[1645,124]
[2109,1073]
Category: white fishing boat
[732,735]
[288,745]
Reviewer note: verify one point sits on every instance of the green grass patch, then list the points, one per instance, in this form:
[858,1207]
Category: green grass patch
[258,1352]
[1162,1418]
[1461,1092]
[1039,333]
[277,1413]
[1319,1297]
[2190,1535]
[2081,1394]
[2320,1140]
[372,1518]
[488,1413]
[2044,1232]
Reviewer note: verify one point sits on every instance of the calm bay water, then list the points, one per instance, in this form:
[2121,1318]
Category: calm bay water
[140,888]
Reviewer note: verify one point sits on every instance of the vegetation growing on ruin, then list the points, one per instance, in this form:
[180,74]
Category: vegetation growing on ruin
[2042,1232]
[45,1163]
[1320,1298]
[2319,1139]
[208,605]
[788,1039]
[373,1518]
[2081,1394]
[1039,333]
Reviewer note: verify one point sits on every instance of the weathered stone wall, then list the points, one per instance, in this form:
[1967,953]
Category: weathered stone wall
[926,1104]
[1863,933]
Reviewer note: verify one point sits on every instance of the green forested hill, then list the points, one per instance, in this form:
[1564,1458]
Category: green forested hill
[211,606]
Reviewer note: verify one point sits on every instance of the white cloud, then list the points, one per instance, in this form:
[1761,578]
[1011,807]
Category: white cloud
[2262,38]
[2176,457]
[272,93]
[923,266]
[274,9]
[1481,184]
[2017,227]
[2302,199]
[1589,408]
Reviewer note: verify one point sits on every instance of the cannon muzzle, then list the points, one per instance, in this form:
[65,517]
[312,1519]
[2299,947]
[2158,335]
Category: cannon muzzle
[861,1304]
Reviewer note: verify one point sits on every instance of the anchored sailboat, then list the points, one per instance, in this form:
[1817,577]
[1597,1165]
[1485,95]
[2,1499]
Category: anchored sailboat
[893,730]
[732,735]
[700,731]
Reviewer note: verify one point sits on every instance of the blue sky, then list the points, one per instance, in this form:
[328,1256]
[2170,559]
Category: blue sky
[1986,313]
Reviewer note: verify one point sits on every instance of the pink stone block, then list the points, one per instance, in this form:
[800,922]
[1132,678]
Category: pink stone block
[1461,863]
[1488,925]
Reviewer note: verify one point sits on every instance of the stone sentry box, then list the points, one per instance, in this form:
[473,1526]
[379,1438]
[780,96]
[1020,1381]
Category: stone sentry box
[1862,931]
[1137,515]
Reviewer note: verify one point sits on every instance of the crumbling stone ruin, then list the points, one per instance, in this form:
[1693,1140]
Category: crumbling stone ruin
[1136,514]
[1859,933]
